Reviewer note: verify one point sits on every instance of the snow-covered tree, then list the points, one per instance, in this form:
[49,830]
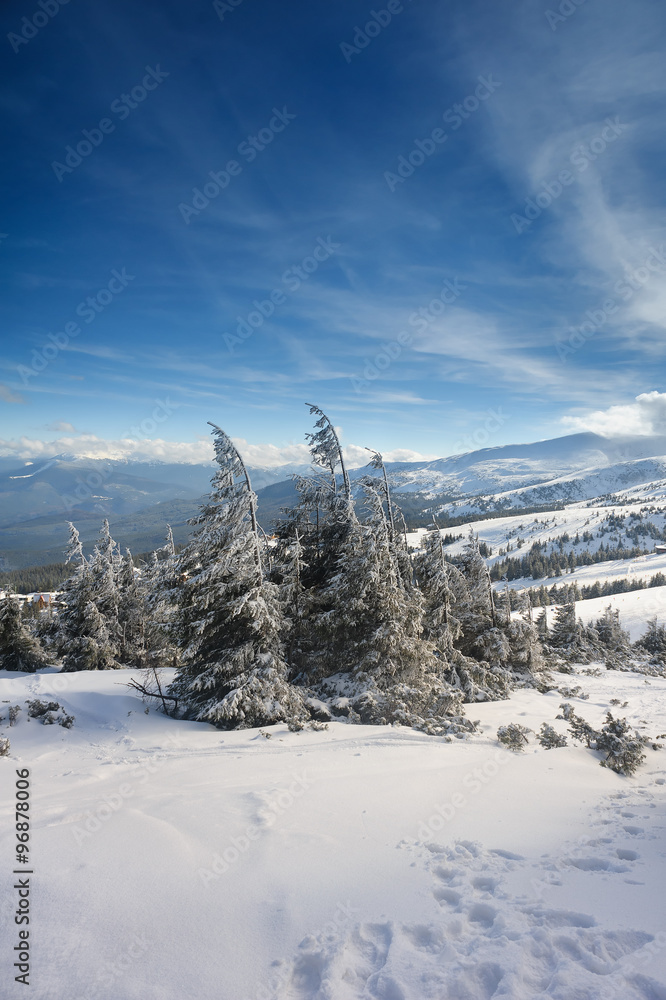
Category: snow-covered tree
[369,629]
[477,577]
[105,570]
[611,635]
[294,599]
[325,448]
[434,575]
[567,635]
[19,649]
[542,625]
[653,641]
[132,615]
[447,603]
[234,674]
[83,636]
[160,587]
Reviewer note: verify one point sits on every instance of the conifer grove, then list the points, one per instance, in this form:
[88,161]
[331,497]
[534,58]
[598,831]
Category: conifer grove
[331,617]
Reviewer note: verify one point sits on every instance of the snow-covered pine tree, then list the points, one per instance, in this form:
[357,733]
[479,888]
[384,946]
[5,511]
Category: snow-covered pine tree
[19,649]
[447,605]
[132,615]
[653,641]
[612,636]
[477,577]
[377,462]
[567,635]
[234,674]
[434,574]
[291,569]
[542,625]
[83,639]
[482,637]
[369,628]
[160,586]
[322,521]
[325,448]
[105,570]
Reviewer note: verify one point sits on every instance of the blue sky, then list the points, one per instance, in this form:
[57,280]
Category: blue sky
[425,303]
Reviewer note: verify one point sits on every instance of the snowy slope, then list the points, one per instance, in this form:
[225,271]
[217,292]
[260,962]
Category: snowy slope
[635,480]
[635,608]
[173,860]
[557,530]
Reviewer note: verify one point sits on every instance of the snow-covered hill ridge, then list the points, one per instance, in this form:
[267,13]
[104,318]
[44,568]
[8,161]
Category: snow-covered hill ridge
[640,479]
[512,468]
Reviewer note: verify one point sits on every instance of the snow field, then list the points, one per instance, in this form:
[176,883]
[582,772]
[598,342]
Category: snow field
[172,859]
[635,608]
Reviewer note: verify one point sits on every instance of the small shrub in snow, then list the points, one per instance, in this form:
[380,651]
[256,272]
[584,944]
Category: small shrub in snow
[575,692]
[549,738]
[593,672]
[616,701]
[318,726]
[13,714]
[513,736]
[49,712]
[4,746]
[37,708]
[582,731]
[567,712]
[623,747]
[295,726]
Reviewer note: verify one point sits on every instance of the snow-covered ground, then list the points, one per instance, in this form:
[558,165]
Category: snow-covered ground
[547,528]
[642,568]
[636,608]
[173,860]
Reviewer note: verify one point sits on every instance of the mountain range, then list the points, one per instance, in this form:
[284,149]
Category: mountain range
[140,498]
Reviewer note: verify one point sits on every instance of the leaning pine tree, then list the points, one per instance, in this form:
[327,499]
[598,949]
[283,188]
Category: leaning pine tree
[230,624]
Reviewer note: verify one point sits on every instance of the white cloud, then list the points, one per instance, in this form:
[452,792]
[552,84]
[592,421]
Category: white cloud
[185,452]
[91,446]
[645,416]
[61,425]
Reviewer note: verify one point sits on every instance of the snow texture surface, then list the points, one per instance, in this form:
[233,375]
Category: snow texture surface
[173,860]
